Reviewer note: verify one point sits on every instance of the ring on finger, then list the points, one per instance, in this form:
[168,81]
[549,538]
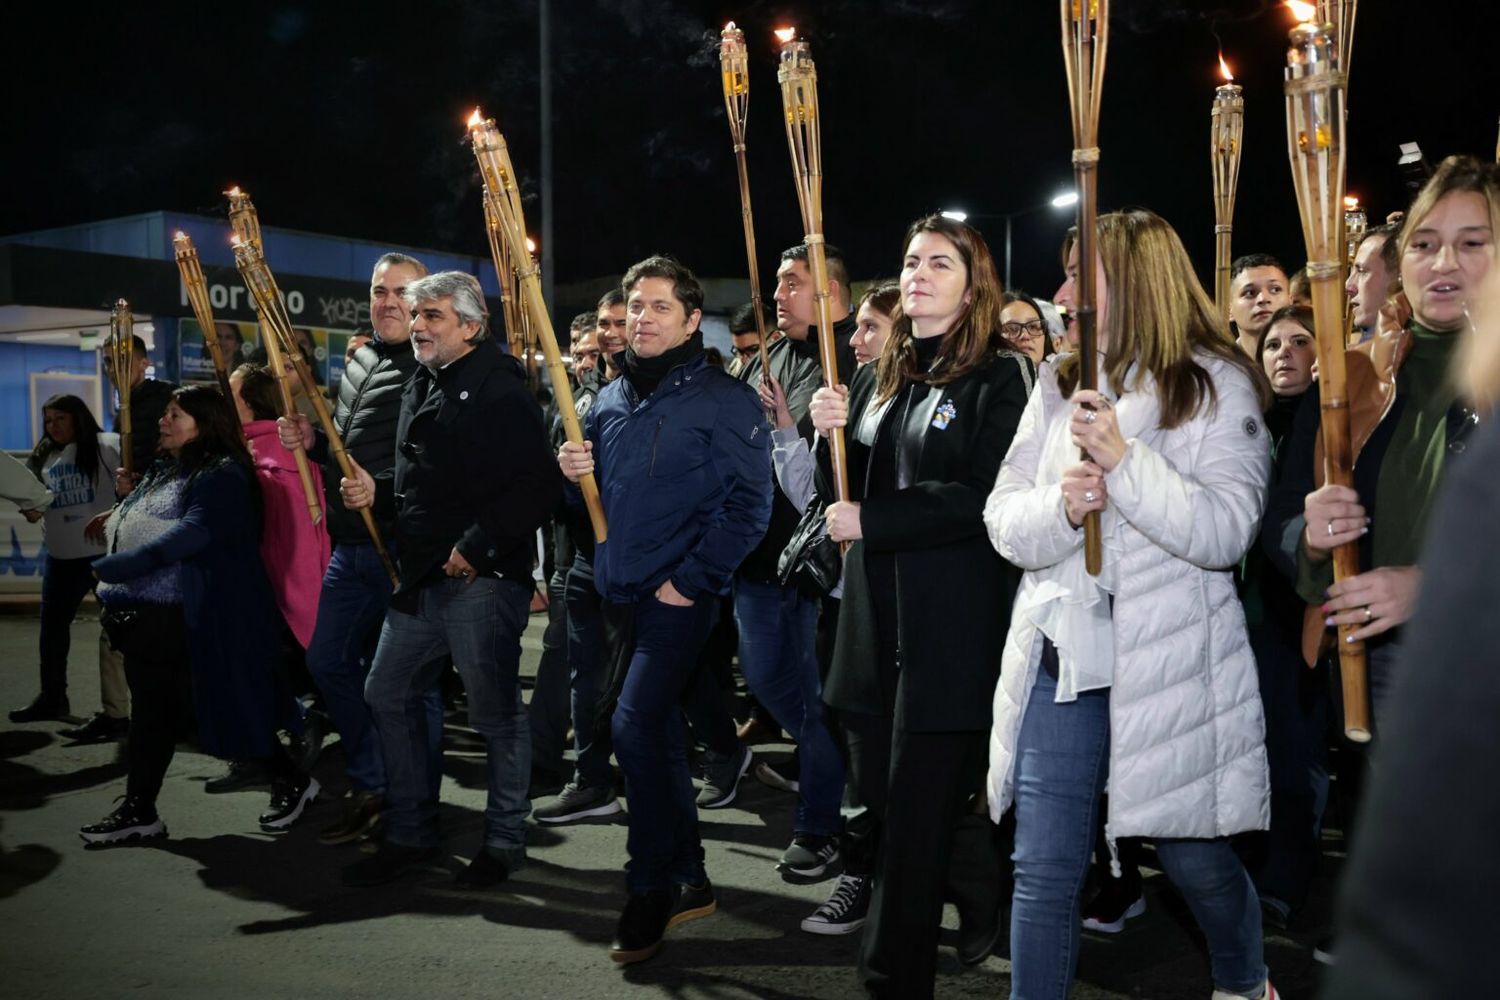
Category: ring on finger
[1089,416]
[1369,615]
[1330,528]
[1089,496]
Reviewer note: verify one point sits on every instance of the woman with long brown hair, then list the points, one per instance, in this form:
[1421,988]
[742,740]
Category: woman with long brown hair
[926,599]
[1142,675]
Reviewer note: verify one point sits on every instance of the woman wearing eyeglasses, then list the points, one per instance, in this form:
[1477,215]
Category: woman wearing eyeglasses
[1022,327]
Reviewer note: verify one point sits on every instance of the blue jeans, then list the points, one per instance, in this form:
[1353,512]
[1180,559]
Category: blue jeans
[1062,760]
[651,744]
[479,625]
[65,583]
[586,673]
[351,606]
[778,635]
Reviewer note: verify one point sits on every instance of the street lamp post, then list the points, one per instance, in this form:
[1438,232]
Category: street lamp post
[1064,200]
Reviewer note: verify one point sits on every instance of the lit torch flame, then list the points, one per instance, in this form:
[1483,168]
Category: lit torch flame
[1302,10]
[1351,203]
[786,35]
[530,245]
[234,240]
[1224,69]
[476,119]
[179,235]
[233,192]
[728,27]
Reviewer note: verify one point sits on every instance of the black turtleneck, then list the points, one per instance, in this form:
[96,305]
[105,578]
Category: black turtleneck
[645,374]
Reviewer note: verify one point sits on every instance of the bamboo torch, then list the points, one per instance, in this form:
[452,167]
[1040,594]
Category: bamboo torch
[735,66]
[191,271]
[1085,38]
[798,77]
[1315,88]
[1340,14]
[121,361]
[505,274]
[1226,133]
[499,176]
[244,254]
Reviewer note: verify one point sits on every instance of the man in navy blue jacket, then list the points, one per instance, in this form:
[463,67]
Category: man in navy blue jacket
[684,465]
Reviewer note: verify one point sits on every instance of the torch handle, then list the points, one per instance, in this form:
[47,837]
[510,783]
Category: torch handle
[828,356]
[277,365]
[1338,470]
[1085,179]
[192,279]
[748,219]
[531,294]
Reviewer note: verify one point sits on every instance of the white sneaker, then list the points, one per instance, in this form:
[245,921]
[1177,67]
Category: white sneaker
[1268,992]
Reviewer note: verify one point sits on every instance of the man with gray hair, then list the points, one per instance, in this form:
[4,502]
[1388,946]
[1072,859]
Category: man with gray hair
[473,479]
[356,589]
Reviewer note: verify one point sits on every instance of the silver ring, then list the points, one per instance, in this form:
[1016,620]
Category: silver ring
[1088,496]
[1089,416]
[1330,527]
[1369,615]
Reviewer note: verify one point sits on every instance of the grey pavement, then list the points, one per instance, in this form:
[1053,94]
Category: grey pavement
[220,909]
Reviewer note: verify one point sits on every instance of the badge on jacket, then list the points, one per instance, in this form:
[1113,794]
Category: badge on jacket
[944,415]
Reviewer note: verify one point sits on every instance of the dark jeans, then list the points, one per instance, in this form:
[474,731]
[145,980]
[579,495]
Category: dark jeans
[549,695]
[479,625]
[65,583]
[153,640]
[586,673]
[651,741]
[917,791]
[1284,860]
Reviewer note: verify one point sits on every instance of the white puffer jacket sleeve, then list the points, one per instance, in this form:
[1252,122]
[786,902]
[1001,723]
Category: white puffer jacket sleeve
[1210,517]
[1026,521]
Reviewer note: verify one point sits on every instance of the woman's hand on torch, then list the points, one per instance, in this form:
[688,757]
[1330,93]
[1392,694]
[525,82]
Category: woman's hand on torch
[1083,491]
[1376,601]
[125,482]
[843,522]
[295,432]
[576,460]
[359,492]
[1334,517]
[1095,429]
[829,409]
[773,398]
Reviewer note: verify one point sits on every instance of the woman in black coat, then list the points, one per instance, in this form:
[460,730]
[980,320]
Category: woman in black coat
[926,599]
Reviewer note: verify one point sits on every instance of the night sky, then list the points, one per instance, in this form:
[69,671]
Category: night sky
[347,119]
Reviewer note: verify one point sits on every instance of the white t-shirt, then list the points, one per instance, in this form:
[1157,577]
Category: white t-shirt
[76,499]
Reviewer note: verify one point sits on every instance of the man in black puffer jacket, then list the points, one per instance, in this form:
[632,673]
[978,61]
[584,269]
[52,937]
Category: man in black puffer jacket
[356,587]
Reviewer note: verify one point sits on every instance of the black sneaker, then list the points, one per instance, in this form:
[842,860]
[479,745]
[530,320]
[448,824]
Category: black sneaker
[241,774]
[361,815]
[99,729]
[307,748]
[721,778]
[388,863]
[289,796]
[489,869]
[809,856]
[689,902]
[133,820]
[847,907]
[578,802]
[43,708]
[642,924]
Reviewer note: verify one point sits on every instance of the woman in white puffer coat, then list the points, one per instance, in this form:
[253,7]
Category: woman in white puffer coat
[1143,676]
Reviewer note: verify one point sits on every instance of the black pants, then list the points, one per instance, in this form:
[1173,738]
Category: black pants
[933,778]
[65,583]
[153,640]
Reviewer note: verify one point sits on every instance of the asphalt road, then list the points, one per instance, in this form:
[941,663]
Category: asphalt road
[220,909]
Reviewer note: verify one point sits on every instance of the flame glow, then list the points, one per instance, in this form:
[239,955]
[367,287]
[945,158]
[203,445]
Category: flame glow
[729,27]
[786,35]
[179,235]
[1302,10]
[530,245]
[1224,69]
[234,192]
[1351,203]
[234,240]
[476,119]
